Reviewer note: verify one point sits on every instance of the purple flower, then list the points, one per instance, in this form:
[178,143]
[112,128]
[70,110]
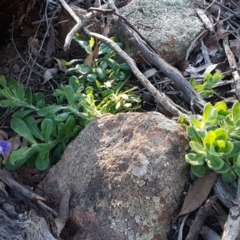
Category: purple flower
[4,147]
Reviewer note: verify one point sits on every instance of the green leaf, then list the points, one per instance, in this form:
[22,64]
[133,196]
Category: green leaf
[221,134]
[69,125]
[42,162]
[196,123]
[84,69]
[237,170]
[19,157]
[225,168]
[192,134]
[91,77]
[32,125]
[101,73]
[195,159]
[199,171]
[197,147]
[69,93]
[28,96]
[38,100]
[3,81]
[57,153]
[209,139]
[111,63]
[199,87]
[237,161]
[221,108]
[206,93]
[74,83]
[217,76]
[236,111]
[227,149]
[193,83]
[124,66]
[229,176]
[13,85]
[46,128]
[7,103]
[20,127]
[50,110]
[206,112]
[62,117]
[235,151]
[214,162]
[22,113]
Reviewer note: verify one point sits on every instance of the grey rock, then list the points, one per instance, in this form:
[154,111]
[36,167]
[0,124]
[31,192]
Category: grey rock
[169,25]
[126,173]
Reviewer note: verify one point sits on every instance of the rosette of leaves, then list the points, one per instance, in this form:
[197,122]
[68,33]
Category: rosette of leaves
[209,81]
[214,141]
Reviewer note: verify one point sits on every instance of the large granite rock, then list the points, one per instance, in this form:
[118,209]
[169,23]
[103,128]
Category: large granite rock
[170,26]
[125,173]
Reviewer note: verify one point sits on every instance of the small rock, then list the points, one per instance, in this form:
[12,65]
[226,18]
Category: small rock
[169,25]
[126,173]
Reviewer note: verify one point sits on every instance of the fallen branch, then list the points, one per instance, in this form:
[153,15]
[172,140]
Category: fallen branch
[188,93]
[15,186]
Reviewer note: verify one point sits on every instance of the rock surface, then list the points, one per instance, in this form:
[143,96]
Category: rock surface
[170,26]
[125,173]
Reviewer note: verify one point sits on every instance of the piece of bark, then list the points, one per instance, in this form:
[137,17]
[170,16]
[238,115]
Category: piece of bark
[232,226]
[18,222]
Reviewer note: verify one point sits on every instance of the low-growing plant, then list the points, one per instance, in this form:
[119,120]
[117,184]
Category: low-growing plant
[91,92]
[215,141]
[209,81]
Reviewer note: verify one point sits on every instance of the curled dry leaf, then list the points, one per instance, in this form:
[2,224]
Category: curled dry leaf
[198,193]
[61,66]
[89,61]
[48,74]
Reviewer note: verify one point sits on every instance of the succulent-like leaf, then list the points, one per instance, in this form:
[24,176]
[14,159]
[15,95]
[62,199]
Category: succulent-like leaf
[224,169]
[206,112]
[91,77]
[195,122]
[236,111]
[235,151]
[195,159]
[230,176]
[214,162]
[199,171]
[197,147]
[209,140]
[84,69]
[206,93]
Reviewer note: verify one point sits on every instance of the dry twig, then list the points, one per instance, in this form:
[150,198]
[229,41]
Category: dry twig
[202,214]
